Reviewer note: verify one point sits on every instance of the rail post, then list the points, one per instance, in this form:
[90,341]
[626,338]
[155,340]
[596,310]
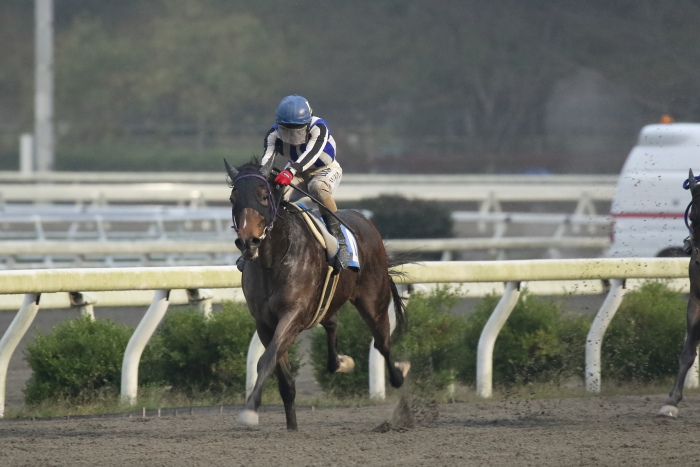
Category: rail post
[487,340]
[377,380]
[13,336]
[202,298]
[255,351]
[83,302]
[594,341]
[138,341]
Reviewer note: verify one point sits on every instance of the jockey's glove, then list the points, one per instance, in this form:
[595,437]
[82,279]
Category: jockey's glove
[284,177]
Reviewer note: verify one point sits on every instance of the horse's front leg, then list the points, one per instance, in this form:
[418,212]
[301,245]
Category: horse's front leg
[276,345]
[686,359]
[287,388]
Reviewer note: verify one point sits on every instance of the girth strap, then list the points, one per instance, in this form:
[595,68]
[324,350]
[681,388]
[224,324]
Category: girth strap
[326,296]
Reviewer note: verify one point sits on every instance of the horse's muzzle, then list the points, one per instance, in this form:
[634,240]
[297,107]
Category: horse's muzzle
[248,246]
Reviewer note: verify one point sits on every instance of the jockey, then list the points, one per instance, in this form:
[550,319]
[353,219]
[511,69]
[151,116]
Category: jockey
[308,144]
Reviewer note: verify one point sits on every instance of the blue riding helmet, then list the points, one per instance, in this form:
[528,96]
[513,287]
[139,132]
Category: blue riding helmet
[293,110]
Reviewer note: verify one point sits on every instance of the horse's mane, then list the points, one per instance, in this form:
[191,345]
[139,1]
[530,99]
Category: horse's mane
[254,163]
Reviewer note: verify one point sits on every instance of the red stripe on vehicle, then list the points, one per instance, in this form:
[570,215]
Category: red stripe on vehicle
[653,215]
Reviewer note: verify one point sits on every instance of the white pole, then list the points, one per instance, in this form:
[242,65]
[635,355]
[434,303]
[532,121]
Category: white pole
[43,84]
[255,351]
[138,341]
[12,337]
[594,341]
[487,340]
[377,380]
[26,154]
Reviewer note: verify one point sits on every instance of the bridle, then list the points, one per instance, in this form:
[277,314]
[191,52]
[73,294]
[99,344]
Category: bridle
[269,215]
[686,216]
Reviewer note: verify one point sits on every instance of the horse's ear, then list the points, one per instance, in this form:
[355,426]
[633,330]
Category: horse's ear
[691,179]
[232,172]
[267,168]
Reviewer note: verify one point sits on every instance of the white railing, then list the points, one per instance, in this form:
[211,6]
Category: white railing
[101,253]
[32,284]
[49,236]
[199,189]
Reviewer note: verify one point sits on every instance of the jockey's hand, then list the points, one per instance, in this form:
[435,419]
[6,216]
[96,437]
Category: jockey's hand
[284,178]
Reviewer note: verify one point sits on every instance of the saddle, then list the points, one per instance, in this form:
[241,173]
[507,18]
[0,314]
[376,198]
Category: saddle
[318,229]
[330,244]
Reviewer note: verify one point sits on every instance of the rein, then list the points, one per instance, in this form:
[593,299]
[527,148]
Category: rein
[273,207]
[321,204]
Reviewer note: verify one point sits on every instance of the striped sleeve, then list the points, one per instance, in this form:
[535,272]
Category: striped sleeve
[318,138]
[269,145]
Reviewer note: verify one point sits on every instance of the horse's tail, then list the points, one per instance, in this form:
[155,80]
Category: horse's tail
[399,303]
[399,309]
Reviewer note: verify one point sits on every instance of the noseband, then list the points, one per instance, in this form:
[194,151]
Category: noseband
[269,213]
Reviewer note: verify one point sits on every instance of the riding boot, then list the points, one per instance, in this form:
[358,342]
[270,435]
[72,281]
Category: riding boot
[342,257]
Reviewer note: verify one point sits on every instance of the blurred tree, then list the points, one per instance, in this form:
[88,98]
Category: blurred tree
[491,69]
[650,48]
[206,69]
[97,74]
[461,80]
[16,85]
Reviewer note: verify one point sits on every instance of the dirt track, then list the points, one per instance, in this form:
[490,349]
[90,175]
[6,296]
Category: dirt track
[569,432]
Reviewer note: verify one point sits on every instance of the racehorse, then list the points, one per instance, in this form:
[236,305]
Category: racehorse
[284,274]
[689,351]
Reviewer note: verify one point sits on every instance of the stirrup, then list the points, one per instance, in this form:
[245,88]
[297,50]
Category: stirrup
[343,255]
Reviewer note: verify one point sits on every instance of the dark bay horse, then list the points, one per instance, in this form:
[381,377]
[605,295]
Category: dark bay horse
[283,276]
[689,351]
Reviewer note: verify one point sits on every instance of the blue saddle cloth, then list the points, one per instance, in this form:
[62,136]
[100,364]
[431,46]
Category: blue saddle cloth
[350,240]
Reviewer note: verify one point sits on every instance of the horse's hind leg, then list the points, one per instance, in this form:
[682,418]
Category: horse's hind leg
[376,316]
[336,363]
[686,359]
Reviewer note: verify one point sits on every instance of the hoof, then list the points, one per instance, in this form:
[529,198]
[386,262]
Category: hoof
[346,364]
[669,411]
[248,418]
[403,366]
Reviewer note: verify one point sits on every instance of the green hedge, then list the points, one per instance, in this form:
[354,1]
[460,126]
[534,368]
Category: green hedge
[538,343]
[431,344]
[82,359]
[433,341]
[354,340]
[197,354]
[398,217]
[78,360]
[644,339]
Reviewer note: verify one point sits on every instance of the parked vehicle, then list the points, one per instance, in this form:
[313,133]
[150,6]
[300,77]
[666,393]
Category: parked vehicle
[649,202]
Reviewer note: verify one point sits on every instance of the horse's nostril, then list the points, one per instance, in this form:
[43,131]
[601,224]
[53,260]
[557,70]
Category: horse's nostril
[254,242]
[239,244]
